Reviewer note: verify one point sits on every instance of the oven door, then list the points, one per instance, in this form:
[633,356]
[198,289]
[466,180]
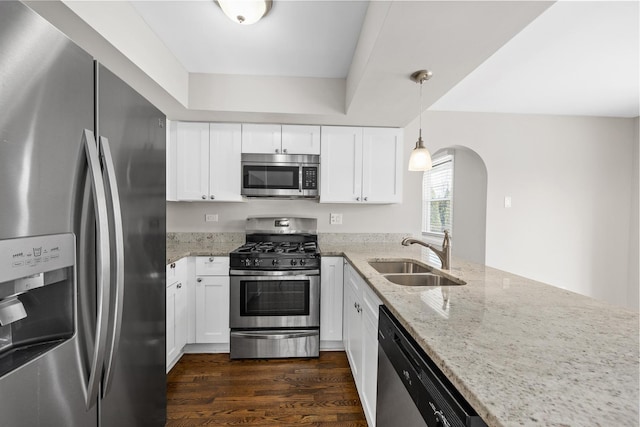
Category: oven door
[275,299]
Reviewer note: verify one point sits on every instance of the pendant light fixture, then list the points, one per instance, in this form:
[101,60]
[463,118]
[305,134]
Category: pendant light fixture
[420,159]
[245,12]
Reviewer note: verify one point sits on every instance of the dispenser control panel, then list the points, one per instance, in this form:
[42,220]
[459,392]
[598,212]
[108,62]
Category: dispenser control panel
[28,257]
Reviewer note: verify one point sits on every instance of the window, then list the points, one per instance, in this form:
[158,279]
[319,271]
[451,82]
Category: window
[437,197]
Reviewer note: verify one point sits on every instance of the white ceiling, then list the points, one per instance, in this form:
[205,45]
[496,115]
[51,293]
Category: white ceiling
[576,58]
[295,39]
[348,63]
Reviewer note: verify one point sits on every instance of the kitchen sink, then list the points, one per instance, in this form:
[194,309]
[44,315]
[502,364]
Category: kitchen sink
[398,267]
[422,280]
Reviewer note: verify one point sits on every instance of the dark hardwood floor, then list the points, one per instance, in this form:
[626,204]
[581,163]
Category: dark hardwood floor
[210,389]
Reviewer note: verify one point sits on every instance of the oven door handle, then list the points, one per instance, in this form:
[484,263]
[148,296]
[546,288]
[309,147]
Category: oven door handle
[275,335]
[268,274]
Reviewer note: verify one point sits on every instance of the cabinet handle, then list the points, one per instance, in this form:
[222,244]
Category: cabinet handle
[173,265]
[358,199]
[204,197]
[277,151]
[212,197]
[366,198]
[284,150]
[199,280]
[210,259]
[179,285]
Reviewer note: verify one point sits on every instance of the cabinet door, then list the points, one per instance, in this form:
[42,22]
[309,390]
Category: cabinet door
[192,150]
[225,145]
[340,164]
[181,315]
[300,139]
[369,377]
[265,139]
[331,290]
[382,165]
[170,339]
[212,309]
[352,329]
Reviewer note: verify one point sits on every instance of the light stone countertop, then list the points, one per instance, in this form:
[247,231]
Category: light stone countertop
[522,353]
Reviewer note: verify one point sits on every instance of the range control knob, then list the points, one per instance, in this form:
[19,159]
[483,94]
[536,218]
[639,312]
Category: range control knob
[247,262]
[294,262]
[302,262]
[275,262]
[256,261]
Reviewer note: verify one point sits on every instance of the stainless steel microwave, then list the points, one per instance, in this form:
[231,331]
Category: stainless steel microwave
[280,175]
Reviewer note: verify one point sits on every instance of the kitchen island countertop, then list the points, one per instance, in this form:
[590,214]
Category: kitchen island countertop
[522,353]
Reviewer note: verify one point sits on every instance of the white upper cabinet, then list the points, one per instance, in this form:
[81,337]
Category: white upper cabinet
[298,139]
[192,170]
[264,139]
[361,165]
[341,165]
[280,139]
[382,165]
[225,147]
[208,161]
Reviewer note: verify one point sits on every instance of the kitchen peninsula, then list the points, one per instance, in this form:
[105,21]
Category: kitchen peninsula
[521,352]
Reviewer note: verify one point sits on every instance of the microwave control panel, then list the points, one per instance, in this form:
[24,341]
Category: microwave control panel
[309,178]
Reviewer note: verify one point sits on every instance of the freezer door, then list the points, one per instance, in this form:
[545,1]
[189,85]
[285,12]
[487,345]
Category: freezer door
[46,100]
[135,394]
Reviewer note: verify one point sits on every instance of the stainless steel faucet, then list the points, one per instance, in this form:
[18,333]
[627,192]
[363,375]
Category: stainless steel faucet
[444,254]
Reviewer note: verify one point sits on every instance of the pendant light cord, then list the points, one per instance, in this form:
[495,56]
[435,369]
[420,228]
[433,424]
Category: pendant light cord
[420,112]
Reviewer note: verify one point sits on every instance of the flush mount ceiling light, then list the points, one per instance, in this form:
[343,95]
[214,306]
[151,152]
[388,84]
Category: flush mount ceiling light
[420,159]
[245,12]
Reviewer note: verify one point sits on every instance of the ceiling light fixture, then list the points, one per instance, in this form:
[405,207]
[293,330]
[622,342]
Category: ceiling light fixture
[245,12]
[420,159]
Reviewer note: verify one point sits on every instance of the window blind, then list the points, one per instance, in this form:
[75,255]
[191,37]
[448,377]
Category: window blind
[437,196]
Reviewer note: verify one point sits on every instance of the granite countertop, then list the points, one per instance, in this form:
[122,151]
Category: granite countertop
[522,353]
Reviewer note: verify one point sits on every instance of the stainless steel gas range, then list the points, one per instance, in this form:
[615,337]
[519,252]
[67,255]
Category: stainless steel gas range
[275,290]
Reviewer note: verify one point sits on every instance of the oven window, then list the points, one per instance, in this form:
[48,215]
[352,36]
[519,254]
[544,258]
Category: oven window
[271,177]
[274,298]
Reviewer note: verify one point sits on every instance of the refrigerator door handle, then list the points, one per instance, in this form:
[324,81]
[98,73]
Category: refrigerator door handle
[103,267]
[117,284]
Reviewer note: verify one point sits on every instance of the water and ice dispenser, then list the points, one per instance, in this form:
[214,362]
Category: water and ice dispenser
[37,297]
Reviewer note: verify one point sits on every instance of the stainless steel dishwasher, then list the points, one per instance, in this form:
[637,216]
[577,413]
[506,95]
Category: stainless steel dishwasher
[412,391]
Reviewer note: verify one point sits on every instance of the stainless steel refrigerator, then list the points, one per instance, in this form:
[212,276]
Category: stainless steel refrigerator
[82,236]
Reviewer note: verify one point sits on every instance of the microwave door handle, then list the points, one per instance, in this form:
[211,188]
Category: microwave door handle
[300,179]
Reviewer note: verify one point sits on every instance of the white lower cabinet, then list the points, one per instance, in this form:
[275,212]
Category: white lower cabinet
[360,337]
[212,300]
[176,310]
[331,290]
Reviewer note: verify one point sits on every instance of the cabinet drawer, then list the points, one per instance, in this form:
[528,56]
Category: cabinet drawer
[176,271]
[212,266]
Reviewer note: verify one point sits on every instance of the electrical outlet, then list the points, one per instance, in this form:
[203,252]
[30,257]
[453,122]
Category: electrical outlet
[507,201]
[211,217]
[335,219]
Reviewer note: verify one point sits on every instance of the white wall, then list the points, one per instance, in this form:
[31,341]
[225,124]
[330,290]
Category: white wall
[469,206]
[570,179]
[633,294]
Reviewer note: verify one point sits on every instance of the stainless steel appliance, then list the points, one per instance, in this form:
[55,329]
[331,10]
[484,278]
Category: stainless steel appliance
[275,290]
[411,387]
[82,236]
[280,175]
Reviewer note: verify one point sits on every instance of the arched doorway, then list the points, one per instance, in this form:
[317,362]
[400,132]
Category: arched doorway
[469,203]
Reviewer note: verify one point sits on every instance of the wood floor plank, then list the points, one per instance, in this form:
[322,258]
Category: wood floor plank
[211,389]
